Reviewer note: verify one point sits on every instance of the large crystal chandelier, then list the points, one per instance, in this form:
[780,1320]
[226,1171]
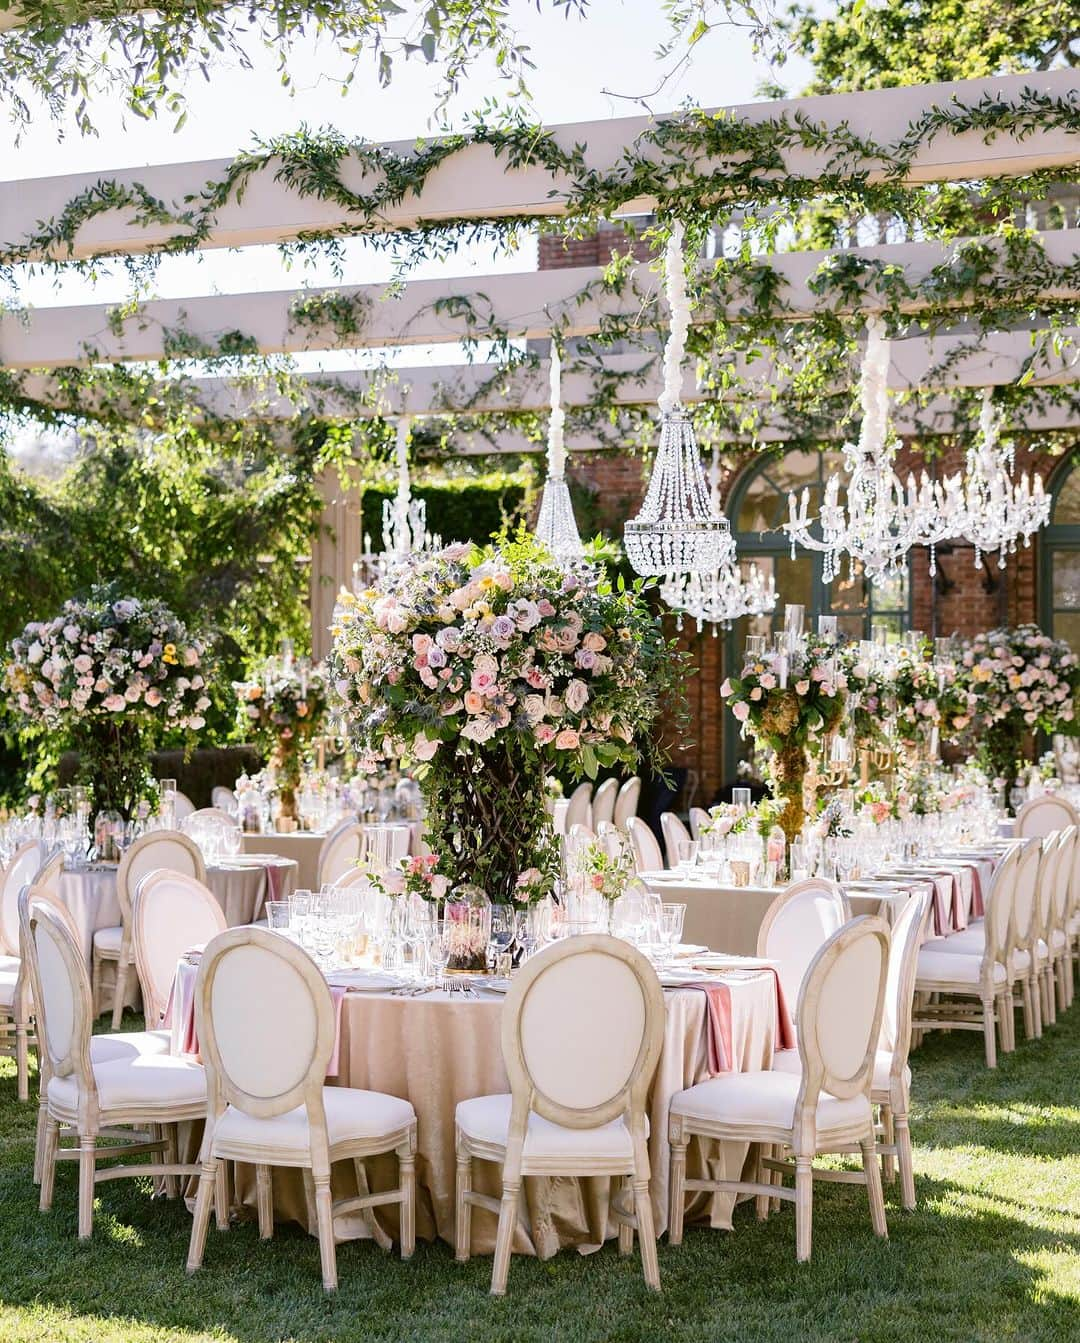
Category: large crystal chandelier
[881,520]
[726,593]
[556,527]
[404,529]
[677,530]
[998,511]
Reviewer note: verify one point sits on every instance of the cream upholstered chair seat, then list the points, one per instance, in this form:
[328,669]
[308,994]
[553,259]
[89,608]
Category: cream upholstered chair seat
[787,1061]
[767,1098]
[486,1119]
[127,1045]
[148,1082]
[108,940]
[955,967]
[351,1115]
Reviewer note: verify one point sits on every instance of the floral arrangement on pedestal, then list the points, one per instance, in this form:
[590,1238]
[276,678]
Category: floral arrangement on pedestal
[919,691]
[109,677]
[1012,683]
[486,669]
[790,702]
[282,708]
[869,699]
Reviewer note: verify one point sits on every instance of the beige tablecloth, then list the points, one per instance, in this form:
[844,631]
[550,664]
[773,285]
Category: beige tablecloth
[240,890]
[303,846]
[437,1051]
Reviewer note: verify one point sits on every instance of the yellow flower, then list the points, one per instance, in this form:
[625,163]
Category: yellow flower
[168,655]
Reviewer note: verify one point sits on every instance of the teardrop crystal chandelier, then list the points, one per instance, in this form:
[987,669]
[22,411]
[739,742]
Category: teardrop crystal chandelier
[998,511]
[677,530]
[726,593]
[556,526]
[881,520]
[404,529]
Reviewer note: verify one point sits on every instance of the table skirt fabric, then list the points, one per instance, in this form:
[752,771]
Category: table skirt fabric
[436,1051]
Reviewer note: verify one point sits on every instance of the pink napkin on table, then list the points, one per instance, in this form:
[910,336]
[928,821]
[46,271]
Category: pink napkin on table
[718,1028]
[978,907]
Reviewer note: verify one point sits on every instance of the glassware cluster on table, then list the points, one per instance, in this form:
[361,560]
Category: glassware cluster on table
[356,925]
[374,796]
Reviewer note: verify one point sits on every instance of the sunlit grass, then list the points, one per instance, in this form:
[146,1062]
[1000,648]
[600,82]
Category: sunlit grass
[992,1252]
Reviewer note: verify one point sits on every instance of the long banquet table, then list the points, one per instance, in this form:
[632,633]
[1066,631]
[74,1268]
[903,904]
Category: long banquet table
[438,1049]
[728,917]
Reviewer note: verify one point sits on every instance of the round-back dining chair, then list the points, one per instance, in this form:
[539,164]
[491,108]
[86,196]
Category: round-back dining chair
[1042,815]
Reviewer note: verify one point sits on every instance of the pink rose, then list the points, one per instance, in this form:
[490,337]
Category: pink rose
[576,696]
[726,688]
[543,733]
[153,696]
[114,703]
[802,687]
[741,711]
[424,747]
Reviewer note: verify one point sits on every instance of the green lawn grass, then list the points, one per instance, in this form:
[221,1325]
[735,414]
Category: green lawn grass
[992,1252]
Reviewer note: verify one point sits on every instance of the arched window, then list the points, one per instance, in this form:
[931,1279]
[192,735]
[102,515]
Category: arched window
[1060,567]
[756,508]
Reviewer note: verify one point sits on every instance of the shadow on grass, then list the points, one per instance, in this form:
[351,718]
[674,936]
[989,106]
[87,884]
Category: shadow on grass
[987,1258]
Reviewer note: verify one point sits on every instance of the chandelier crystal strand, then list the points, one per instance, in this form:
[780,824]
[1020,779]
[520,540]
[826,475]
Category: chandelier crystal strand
[998,511]
[556,526]
[404,529]
[677,531]
[725,594]
[880,521]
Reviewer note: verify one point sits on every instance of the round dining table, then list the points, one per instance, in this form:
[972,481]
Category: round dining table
[438,1048]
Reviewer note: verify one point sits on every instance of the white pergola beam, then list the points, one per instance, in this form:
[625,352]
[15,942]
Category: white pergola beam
[433,312]
[945,362]
[270,211]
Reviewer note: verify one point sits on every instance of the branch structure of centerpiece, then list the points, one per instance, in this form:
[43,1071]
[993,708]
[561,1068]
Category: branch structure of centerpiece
[109,677]
[488,670]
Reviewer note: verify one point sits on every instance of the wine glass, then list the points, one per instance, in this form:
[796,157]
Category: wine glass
[503,929]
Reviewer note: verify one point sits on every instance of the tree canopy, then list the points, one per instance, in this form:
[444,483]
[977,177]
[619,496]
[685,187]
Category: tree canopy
[903,42]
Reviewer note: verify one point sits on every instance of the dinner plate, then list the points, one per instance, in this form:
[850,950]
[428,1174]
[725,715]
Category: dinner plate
[675,979]
[365,981]
[491,983]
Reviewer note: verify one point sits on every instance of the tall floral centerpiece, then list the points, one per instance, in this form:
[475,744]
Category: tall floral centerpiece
[488,669]
[790,702]
[919,691]
[1012,683]
[109,677]
[282,708]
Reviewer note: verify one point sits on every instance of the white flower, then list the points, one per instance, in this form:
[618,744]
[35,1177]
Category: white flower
[35,652]
[576,696]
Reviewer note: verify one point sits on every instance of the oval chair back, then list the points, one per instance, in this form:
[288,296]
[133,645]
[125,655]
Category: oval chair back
[212,815]
[998,912]
[675,833]
[795,927]
[603,804]
[1041,815]
[582,1078]
[169,849]
[224,799]
[267,1063]
[626,804]
[579,809]
[174,912]
[839,1017]
[905,939]
[699,817]
[1023,925]
[341,850]
[1059,908]
[62,1000]
[183,807]
[21,870]
[647,853]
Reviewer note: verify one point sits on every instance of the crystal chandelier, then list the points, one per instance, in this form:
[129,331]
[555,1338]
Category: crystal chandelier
[881,520]
[556,527]
[725,594]
[998,511]
[404,529]
[677,530]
